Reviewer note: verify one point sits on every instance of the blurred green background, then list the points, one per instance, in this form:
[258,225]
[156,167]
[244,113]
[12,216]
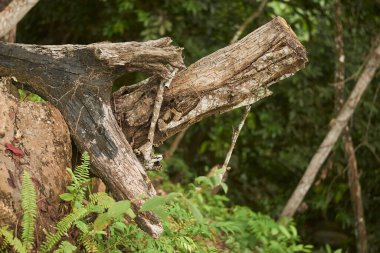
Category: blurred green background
[283,131]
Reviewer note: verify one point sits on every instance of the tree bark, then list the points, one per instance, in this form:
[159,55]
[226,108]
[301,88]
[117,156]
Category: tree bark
[332,136]
[353,174]
[234,76]
[78,80]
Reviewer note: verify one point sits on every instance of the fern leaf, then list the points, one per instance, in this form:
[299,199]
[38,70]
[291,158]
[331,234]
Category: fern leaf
[89,244]
[82,171]
[63,227]
[12,241]
[29,207]
[102,199]
[65,247]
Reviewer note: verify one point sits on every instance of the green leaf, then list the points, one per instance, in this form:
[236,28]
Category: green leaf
[119,208]
[195,211]
[203,181]
[101,222]
[65,247]
[284,231]
[83,227]
[224,187]
[67,196]
[119,226]
[215,180]
[153,203]
[172,196]
[130,213]
[160,212]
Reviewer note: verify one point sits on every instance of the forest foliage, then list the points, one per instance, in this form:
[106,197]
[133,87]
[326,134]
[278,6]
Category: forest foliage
[281,133]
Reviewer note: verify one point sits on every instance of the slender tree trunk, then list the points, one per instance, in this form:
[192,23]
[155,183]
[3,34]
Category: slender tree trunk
[332,136]
[353,175]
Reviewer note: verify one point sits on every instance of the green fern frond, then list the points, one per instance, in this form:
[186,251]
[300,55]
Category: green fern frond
[65,247]
[12,241]
[82,226]
[29,207]
[102,199]
[77,189]
[63,227]
[89,244]
[82,171]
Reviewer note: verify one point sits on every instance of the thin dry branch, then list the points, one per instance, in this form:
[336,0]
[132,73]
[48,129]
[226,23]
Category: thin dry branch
[339,124]
[235,135]
[249,20]
[13,13]
[151,161]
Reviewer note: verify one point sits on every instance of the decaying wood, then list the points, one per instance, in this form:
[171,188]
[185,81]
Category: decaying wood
[78,80]
[12,13]
[234,76]
[332,136]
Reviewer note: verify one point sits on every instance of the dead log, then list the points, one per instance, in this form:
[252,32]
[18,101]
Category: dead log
[78,80]
[234,76]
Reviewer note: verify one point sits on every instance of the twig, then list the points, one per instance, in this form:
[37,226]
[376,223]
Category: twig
[146,150]
[235,135]
[158,104]
[249,20]
[174,145]
[129,88]
[333,135]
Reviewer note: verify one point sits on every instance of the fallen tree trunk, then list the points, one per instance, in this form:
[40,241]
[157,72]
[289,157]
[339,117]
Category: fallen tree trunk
[78,80]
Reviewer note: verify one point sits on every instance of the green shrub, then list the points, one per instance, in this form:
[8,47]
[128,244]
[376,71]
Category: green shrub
[194,220]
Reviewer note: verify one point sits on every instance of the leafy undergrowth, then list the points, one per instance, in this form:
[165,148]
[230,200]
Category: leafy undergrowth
[194,220]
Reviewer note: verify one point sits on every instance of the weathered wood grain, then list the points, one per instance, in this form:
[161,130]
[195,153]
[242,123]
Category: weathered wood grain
[231,77]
